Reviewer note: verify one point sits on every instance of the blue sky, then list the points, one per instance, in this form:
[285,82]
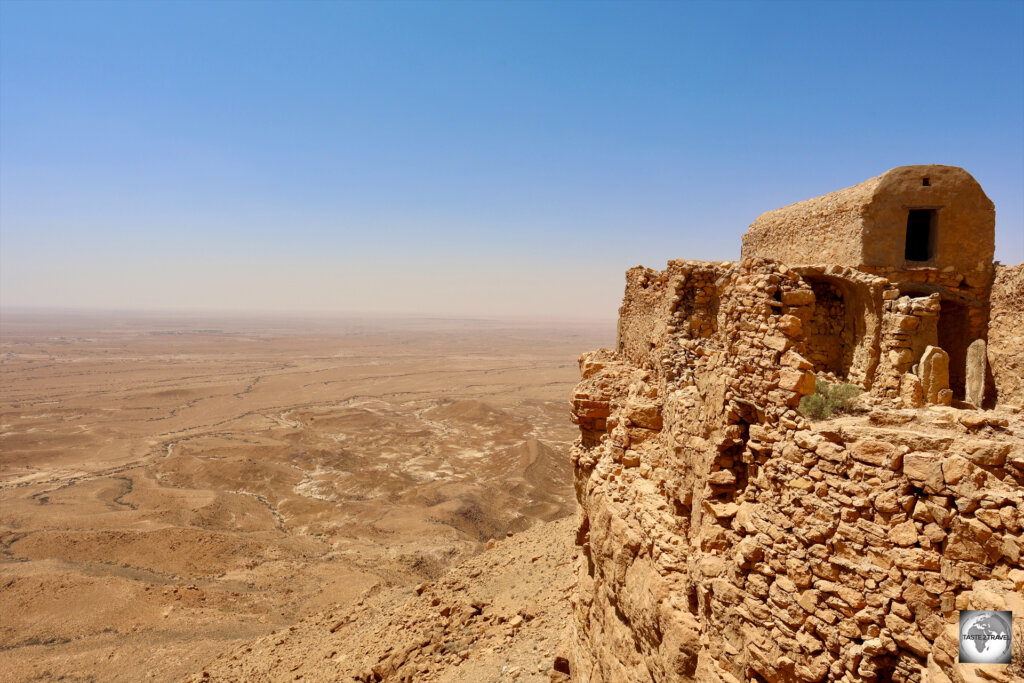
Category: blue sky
[464,158]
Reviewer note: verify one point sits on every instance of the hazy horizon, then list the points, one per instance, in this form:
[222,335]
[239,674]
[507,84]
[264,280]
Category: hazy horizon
[253,315]
[458,159]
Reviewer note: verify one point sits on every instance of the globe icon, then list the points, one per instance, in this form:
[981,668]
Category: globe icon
[985,637]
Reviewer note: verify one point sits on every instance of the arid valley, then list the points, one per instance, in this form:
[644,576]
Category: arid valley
[172,487]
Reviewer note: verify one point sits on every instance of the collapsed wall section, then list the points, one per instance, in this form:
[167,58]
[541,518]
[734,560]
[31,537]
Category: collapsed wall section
[722,537]
[963,313]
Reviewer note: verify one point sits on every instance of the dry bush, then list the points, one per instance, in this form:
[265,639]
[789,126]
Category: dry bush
[828,399]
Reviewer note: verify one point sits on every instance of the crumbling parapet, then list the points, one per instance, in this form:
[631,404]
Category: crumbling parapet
[909,327]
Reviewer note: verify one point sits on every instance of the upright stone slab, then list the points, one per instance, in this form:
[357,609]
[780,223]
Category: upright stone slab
[976,366]
[934,372]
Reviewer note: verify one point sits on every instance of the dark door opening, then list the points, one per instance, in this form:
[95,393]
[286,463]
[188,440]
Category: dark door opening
[920,238]
[954,336]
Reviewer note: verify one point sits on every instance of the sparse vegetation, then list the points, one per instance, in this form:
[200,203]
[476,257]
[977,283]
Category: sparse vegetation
[828,399]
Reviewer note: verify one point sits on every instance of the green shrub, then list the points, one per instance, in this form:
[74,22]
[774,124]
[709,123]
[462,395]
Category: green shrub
[828,399]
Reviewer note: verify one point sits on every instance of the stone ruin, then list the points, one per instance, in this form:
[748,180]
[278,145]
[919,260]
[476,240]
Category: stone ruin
[724,537]
[929,233]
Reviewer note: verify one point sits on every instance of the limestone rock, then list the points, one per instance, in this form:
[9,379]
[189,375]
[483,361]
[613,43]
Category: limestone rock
[924,470]
[796,381]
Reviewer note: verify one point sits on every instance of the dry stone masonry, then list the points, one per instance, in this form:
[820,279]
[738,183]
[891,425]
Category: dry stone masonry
[723,537]
[926,229]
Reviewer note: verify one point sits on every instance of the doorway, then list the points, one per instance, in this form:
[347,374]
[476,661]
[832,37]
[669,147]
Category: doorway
[920,244]
[954,338]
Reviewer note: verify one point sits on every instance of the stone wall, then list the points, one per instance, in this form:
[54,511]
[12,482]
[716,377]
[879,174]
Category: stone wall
[910,325]
[830,334]
[723,537]
[964,308]
[865,227]
[844,332]
[1006,335]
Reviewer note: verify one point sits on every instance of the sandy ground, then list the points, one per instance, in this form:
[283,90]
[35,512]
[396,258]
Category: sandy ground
[173,487]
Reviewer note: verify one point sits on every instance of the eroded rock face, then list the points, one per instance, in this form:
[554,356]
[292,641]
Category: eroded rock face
[722,537]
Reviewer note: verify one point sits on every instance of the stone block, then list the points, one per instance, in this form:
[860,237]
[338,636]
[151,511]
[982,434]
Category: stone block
[797,381]
[924,470]
[976,366]
[792,359]
[904,534]
[934,372]
[986,453]
[911,390]
[645,415]
[872,452]
[798,297]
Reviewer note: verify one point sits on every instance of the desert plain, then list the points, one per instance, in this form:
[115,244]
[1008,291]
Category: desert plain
[174,486]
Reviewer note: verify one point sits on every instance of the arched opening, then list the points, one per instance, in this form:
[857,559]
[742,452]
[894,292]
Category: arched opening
[954,337]
[843,328]
[831,332]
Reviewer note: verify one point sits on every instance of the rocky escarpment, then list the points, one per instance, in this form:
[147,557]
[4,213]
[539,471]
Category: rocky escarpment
[498,615]
[723,537]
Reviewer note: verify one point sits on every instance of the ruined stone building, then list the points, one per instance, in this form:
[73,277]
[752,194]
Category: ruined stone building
[723,536]
[925,229]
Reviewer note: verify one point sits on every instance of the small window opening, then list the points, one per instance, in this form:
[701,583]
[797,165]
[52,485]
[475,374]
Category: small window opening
[926,181]
[920,240]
